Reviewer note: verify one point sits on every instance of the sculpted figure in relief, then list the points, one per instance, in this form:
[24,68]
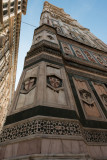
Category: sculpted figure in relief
[86,97]
[54,82]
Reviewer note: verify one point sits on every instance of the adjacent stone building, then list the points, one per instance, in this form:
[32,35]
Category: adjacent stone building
[10,20]
[60,106]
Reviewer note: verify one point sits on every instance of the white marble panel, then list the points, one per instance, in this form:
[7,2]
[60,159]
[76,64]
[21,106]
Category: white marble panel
[29,98]
[52,70]
[21,101]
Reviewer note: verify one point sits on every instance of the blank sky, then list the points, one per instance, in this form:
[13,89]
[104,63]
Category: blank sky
[91,14]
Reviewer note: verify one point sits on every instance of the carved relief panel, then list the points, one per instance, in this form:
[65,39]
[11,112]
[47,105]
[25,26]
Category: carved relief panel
[99,59]
[57,92]
[104,59]
[55,87]
[89,56]
[102,92]
[88,101]
[67,49]
[45,35]
[27,89]
[81,53]
[78,52]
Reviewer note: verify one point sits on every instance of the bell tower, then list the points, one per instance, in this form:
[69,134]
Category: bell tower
[60,106]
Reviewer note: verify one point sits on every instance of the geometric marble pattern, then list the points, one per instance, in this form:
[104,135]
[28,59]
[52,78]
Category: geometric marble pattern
[81,53]
[51,127]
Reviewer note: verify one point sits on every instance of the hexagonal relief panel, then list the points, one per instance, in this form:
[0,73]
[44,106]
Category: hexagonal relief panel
[28,85]
[54,82]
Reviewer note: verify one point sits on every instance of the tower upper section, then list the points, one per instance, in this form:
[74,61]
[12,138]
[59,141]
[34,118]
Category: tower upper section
[69,27]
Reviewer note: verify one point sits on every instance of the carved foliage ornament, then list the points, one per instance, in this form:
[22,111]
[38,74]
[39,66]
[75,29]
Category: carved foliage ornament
[28,85]
[86,97]
[54,82]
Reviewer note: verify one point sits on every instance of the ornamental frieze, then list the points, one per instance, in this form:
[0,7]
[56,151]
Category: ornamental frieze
[52,127]
[71,50]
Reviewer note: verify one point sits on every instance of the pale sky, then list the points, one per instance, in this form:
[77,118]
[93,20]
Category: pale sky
[91,14]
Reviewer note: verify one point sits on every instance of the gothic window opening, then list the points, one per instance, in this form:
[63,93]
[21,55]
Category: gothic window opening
[5,12]
[5,5]
[12,3]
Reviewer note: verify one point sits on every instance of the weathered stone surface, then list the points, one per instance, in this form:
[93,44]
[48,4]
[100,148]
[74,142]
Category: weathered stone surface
[59,109]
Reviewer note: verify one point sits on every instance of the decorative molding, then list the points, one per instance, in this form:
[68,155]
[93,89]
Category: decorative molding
[52,127]
[45,46]
[86,55]
[43,56]
[87,75]
[81,156]
[95,136]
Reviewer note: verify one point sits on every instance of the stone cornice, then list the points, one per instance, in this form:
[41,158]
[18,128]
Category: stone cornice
[45,27]
[44,45]
[88,66]
[59,126]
